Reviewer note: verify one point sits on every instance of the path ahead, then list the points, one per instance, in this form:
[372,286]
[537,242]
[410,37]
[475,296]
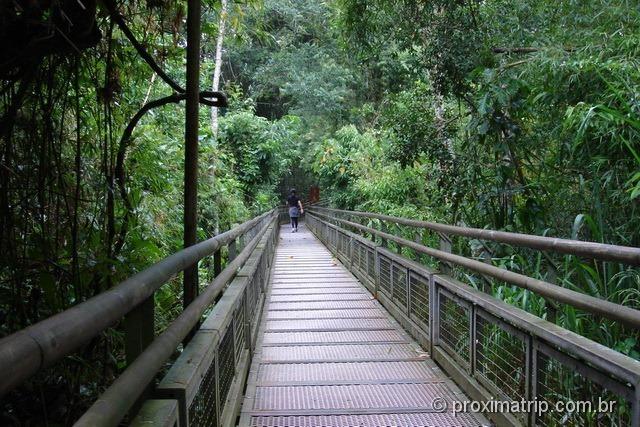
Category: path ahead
[328,353]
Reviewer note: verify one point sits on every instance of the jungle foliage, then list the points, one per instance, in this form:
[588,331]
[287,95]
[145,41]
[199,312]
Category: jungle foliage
[519,116]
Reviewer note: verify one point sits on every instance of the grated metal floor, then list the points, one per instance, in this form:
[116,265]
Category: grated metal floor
[328,354]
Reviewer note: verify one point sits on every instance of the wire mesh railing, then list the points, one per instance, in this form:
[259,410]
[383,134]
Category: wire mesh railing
[250,247]
[493,350]
[419,299]
[208,378]
[27,351]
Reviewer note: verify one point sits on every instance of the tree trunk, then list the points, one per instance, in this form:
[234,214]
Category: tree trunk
[441,124]
[218,64]
[217,71]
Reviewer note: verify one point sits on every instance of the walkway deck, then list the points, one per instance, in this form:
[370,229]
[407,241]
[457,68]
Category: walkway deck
[328,354]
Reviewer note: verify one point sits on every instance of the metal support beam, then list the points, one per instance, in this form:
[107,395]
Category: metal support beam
[110,408]
[445,246]
[232,250]
[138,335]
[384,229]
[217,263]
[25,352]
[139,329]
[191,147]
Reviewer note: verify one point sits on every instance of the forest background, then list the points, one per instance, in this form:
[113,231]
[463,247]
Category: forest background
[518,116]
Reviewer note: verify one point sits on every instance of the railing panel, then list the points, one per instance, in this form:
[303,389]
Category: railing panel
[252,310]
[239,327]
[327,235]
[565,379]
[511,354]
[252,298]
[189,380]
[226,366]
[25,352]
[454,320]
[335,237]
[385,275]
[263,267]
[501,357]
[399,277]
[371,264]
[562,362]
[355,258]
[419,299]
[203,411]
[600,307]
[344,245]
[203,374]
[347,247]
[362,257]
[355,254]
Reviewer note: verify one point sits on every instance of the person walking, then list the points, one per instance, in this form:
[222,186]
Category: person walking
[295,209]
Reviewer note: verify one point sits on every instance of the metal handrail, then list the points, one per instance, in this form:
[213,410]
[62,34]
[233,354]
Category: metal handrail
[624,254]
[617,312]
[25,352]
[416,296]
[549,331]
[114,403]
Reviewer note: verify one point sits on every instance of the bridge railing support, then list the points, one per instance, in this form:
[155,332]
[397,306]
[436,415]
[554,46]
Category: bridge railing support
[208,378]
[139,333]
[40,345]
[494,351]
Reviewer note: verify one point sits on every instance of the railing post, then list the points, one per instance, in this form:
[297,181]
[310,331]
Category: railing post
[473,322]
[372,236]
[216,399]
[445,246]
[384,229]
[417,237]
[486,282]
[533,382]
[138,335]
[635,408]
[407,288]
[434,313]
[248,344]
[242,239]
[376,260]
[530,378]
[552,307]
[217,263]
[232,250]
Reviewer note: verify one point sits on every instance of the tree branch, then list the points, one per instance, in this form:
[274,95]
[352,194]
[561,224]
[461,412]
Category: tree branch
[119,20]
[513,64]
[207,97]
[514,49]
[524,49]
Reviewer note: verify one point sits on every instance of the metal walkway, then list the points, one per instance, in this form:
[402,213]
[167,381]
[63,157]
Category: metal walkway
[328,354]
